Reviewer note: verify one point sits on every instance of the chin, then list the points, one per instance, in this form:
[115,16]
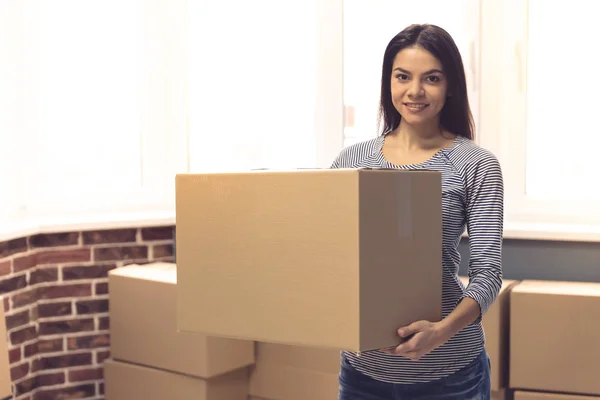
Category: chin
[416,120]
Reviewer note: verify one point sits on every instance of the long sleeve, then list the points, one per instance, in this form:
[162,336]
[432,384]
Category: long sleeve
[484,213]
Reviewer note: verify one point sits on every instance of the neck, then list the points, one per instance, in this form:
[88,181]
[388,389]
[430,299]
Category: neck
[418,137]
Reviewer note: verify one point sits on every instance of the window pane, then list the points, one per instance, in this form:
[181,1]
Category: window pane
[87,83]
[252,84]
[369,26]
[13,157]
[562,132]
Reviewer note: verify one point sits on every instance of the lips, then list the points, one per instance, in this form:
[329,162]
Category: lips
[416,106]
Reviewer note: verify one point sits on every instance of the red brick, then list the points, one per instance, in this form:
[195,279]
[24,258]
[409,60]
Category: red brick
[72,392]
[6,304]
[5,267]
[55,309]
[86,272]
[13,246]
[103,323]
[92,306]
[50,345]
[110,236]
[14,355]
[51,379]
[66,326]
[63,256]
[158,233]
[59,291]
[120,253]
[65,361]
[88,342]
[13,283]
[30,350]
[102,355]
[33,312]
[15,320]
[25,262]
[54,239]
[36,365]
[25,298]
[23,335]
[26,386]
[101,288]
[162,250]
[19,371]
[43,275]
[89,374]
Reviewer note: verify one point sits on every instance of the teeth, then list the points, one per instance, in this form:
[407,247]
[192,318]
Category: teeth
[416,106]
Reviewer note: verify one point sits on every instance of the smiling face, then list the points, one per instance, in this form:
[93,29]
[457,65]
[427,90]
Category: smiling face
[418,86]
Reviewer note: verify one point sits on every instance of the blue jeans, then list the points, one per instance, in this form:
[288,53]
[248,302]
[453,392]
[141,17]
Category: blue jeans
[470,383]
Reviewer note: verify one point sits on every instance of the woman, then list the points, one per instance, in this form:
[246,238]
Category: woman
[427,123]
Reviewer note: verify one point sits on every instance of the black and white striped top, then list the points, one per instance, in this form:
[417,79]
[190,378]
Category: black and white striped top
[472,197]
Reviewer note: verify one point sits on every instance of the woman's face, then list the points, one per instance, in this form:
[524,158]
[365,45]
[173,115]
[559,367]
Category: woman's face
[418,86]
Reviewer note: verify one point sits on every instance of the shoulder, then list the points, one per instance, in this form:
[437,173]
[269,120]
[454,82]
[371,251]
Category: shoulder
[468,157]
[352,155]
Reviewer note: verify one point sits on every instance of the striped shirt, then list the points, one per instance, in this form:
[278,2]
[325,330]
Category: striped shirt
[472,197]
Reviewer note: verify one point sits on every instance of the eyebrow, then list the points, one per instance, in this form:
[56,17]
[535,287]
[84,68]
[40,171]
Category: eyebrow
[431,71]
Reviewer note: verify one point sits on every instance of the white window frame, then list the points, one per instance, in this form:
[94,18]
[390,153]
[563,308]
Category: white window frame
[503,130]
[162,144]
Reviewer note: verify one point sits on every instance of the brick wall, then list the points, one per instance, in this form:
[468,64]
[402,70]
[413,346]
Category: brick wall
[55,290]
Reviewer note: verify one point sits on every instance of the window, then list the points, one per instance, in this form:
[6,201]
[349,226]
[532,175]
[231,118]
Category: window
[370,25]
[538,115]
[103,112]
[12,161]
[267,93]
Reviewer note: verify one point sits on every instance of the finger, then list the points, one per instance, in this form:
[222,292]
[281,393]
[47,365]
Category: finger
[406,347]
[412,328]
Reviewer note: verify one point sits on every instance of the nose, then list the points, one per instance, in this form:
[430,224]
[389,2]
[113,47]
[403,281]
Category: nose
[415,89]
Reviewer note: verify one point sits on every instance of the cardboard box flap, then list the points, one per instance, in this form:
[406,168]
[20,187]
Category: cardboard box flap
[158,272]
[557,288]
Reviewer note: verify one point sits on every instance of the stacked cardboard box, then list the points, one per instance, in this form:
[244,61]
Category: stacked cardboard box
[284,372]
[497,333]
[522,395]
[151,359]
[554,340]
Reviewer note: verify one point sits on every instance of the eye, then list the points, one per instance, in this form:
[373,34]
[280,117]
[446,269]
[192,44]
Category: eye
[434,79]
[402,77]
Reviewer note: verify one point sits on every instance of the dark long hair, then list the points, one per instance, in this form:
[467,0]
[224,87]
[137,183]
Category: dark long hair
[456,115]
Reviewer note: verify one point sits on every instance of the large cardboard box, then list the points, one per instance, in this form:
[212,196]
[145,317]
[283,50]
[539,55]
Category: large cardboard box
[143,326]
[502,394]
[521,395]
[125,381]
[554,342]
[496,326]
[336,258]
[5,379]
[285,372]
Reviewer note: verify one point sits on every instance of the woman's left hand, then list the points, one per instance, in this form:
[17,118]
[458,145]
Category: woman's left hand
[423,337]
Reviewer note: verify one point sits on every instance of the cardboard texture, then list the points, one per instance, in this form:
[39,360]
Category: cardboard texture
[496,326]
[5,378]
[521,395]
[554,343]
[285,372]
[336,258]
[143,326]
[502,394]
[124,381]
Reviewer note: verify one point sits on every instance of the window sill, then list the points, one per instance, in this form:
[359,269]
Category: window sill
[550,232]
[31,226]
